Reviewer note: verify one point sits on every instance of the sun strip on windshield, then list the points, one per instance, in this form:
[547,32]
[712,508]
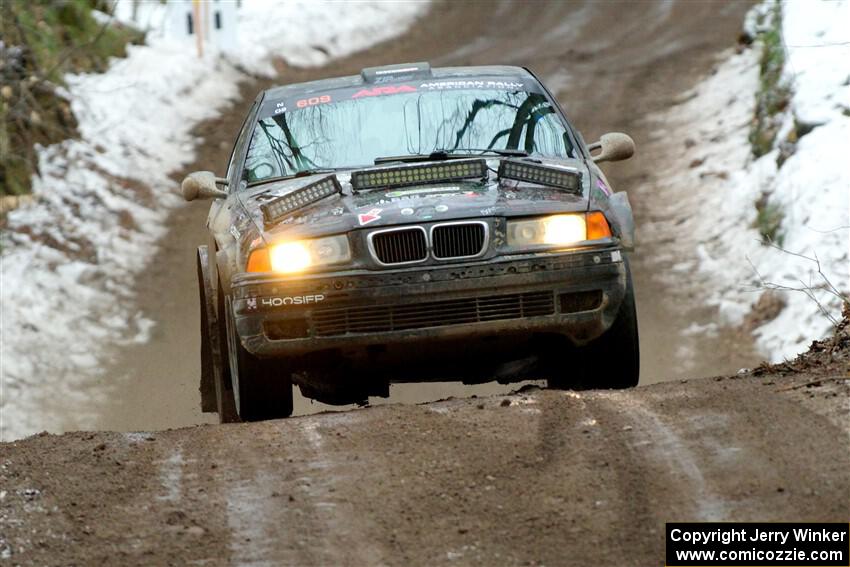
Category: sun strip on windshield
[296,100]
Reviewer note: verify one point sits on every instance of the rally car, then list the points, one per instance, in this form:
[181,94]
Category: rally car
[406,224]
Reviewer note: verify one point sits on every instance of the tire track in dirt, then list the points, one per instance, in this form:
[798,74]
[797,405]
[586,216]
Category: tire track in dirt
[676,458]
[285,509]
[736,456]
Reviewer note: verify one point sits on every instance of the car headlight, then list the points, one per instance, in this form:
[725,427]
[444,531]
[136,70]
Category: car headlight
[299,255]
[557,230]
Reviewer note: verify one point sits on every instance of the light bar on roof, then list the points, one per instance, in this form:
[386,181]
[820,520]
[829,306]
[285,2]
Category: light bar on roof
[550,175]
[307,195]
[416,174]
[404,71]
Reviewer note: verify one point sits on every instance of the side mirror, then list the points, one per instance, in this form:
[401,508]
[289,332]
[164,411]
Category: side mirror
[203,185]
[615,146]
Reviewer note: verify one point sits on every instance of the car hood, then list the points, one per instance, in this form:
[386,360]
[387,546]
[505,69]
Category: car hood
[409,204]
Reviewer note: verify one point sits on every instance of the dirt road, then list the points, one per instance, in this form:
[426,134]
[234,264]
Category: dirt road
[540,477]
[611,64]
[535,477]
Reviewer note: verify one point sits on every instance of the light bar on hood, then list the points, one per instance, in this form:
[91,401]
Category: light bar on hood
[550,175]
[417,174]
[301,197]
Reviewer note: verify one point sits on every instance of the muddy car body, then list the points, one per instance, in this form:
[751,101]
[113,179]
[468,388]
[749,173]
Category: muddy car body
[411,224]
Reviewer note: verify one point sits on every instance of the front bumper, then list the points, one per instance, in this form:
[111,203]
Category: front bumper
[575,294]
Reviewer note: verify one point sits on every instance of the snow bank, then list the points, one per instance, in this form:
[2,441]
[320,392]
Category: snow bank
[717,194]
[69,260]
[818,58]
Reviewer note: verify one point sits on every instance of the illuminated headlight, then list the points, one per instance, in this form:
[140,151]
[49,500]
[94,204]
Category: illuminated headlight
[557,230]
[300,255]
[290,257]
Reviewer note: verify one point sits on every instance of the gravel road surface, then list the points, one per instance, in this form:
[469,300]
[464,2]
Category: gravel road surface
[537,477]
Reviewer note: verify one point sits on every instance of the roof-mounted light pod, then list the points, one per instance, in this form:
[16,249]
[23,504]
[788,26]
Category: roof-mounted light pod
[400,72]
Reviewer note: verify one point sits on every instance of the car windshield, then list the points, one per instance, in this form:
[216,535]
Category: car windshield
[322,132]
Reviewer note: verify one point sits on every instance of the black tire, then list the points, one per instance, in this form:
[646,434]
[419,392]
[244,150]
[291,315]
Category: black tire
[223,388]
[209,335]
[262,389]
[612,361]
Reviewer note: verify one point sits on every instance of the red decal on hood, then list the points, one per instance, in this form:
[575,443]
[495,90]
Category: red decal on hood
[371,216]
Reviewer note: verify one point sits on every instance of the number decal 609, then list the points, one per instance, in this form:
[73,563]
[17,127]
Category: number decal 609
[312,101]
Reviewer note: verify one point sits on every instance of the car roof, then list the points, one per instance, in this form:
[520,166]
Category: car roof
[390,74]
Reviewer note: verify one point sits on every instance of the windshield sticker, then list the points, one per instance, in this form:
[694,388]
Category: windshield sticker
[295,98]
[407,211]
[441,208]
[371,216]
[378,91]
[498,85]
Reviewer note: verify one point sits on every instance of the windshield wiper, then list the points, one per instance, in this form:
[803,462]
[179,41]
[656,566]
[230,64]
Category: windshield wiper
[498,152]
[302,173]
[411,158]
[442,155]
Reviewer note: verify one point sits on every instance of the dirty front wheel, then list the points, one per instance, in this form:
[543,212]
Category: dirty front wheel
[262,389]
[211,359]
[225,403]
[610,362]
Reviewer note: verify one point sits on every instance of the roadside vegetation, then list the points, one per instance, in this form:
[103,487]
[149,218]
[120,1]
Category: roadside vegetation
[769,217]
[41,42]
[773,99]
[774,94]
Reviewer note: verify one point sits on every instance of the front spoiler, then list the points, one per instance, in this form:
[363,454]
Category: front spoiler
[260,300]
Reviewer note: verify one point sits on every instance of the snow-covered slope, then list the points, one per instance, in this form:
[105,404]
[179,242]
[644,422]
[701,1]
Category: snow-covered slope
[717,194]
[69,259]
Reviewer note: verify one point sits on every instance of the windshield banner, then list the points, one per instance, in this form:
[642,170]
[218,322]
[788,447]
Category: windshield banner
[299,101]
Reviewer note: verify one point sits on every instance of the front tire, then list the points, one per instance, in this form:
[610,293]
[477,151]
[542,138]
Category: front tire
[223,388]
[210,348]
[612,361]
[262,389]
